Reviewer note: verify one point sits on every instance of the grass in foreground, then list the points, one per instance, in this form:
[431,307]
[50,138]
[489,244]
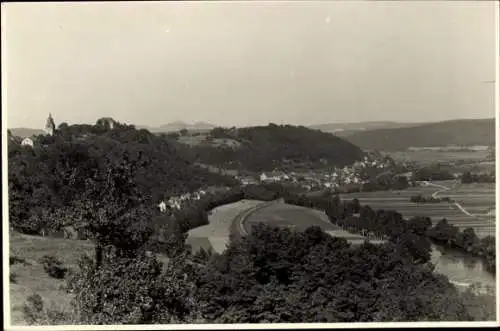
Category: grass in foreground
[30,277]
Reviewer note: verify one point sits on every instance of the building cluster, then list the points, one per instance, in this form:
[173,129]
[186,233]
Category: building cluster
[358,173]
[176,202]
[187,199]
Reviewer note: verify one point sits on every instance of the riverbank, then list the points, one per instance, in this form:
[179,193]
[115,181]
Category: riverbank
[461,269]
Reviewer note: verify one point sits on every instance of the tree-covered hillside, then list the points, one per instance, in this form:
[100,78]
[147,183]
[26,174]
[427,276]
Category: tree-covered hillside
[263,148]
[53,174]
[456,132]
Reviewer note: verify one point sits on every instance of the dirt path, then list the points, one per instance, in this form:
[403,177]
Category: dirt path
[459,206]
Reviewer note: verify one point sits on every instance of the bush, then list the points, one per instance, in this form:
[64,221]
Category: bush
[35,312]
[13,277]
[33,308]
[53,267]
[16,259]
[133,291]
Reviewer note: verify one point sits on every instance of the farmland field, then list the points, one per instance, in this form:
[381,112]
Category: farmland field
[399,201]
[476,198]
[431,156]
[299,218]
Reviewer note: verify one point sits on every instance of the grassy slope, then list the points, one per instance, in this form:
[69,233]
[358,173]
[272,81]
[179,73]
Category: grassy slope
[32,278]
[456,132]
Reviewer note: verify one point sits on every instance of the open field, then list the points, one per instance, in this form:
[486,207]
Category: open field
[432,156]
[216,234]
[299,218]
[477,198]
[399,201]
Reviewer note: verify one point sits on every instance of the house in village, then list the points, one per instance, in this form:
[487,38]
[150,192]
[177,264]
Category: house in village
[248,180]
[163,206]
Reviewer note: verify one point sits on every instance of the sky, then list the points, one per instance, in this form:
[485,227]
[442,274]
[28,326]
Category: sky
[244,63]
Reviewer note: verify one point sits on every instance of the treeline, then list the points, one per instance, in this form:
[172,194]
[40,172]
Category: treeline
[264,148]
[422,199]
[390,225]
[468,177]
[46,180]
[433,172]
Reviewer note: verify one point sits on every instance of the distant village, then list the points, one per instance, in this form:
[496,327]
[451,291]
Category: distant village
[349,176]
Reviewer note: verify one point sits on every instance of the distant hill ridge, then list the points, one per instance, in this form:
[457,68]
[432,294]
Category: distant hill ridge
[463,132]
[179,125]
[25,132]
[383,135]
[358,126]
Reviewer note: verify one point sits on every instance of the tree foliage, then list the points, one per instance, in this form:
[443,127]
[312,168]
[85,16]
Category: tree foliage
[280,275]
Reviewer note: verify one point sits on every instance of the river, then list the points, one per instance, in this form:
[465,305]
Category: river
[460,268]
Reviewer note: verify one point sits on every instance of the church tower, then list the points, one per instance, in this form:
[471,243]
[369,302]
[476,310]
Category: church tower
[50,126]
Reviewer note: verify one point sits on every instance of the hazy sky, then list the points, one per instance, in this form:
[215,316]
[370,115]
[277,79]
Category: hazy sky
[248,63]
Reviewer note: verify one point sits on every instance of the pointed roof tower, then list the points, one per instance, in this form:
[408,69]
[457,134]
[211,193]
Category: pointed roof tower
[50,126]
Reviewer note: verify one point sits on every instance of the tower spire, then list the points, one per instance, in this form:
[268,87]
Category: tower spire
[50,126]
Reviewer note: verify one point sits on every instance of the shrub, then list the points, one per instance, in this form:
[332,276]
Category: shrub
[16,259]
[135,290]
[53,267]
[35,312]
[33,308]
[13,277]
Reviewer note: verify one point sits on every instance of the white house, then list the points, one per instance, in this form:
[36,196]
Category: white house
[163,206]
[263,177]
[27,142]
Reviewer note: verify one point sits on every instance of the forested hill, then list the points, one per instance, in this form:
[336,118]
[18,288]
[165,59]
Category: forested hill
[456,132]
[52,172]
[263,148]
